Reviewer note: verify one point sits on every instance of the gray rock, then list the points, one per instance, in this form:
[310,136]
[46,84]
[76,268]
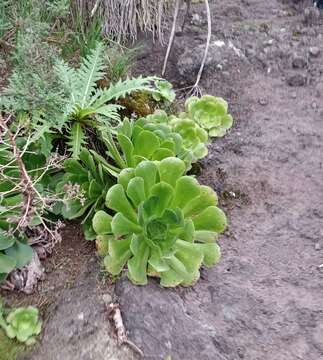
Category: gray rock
[297,79]
[78,328]
[198,20]
[219,53]
[314,51]
[299,61]
[190,61]
[162,325]
[263,101]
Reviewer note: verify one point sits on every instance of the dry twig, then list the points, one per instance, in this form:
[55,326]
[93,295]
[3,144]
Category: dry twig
[171,38]
[114,314]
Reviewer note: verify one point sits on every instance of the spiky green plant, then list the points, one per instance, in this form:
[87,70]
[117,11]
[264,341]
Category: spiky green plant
[89,105]
[84,185]
[166,92]
[165,224]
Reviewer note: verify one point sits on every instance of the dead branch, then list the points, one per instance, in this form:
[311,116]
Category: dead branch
[114,314]
[187,14]
[171,38]
[28,188]
[208,40]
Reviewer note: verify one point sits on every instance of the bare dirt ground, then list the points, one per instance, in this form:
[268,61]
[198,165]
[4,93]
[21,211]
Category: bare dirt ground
[264,299]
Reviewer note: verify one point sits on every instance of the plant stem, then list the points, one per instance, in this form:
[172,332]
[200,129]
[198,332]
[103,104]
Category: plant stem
[171,38]
[209,33]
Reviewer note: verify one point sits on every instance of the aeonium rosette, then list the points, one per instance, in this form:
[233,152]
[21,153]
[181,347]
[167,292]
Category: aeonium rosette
[211,113]
[165,224]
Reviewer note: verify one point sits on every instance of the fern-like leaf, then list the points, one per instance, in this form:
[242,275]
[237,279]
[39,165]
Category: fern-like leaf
[76,139]
[109,111]
[121,89]
[69,79]
[90,71]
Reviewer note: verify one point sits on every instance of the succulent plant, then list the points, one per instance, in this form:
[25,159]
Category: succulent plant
[194,138]
[13,254]
[165,225]
[211,113]
[23,324]
[151,139]
[84,185]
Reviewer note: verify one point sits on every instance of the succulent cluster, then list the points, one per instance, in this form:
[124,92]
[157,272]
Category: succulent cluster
[211,113]
[22,324]
[194,139]
[165,224]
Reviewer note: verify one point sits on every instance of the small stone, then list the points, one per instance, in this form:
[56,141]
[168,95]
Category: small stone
[268,42]
[294,95]
[319,90]
[107,299]
[80,316]
[314,105]
[198,20]
[317,246]
[299,62]
[250,52]
[314,51]
[263,101]
[320,268]
[296,80]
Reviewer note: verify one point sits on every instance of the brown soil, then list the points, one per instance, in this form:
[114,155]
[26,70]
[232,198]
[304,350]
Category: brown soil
[61,270]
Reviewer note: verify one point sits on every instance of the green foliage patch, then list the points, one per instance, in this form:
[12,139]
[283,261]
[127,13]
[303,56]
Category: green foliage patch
[165,225]
[124,178]
[22,324]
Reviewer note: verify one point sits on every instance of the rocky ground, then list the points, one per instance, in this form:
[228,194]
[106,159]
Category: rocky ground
[264,300]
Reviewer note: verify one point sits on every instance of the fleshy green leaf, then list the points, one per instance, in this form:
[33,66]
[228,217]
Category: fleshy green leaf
[165,194]
[148,171]
[211,219]
[102,223]
[136,190]
[125,176]
[123,226]
[146,144]
[116,199]
[127,148]
[119,253]
[211,253]
[186,189]
[207,197]
[171,169]
[137,265]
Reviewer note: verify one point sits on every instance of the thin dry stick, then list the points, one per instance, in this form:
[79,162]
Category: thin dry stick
[28,189]
[209,33]
[171,38]
[188,10]
[114,314]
